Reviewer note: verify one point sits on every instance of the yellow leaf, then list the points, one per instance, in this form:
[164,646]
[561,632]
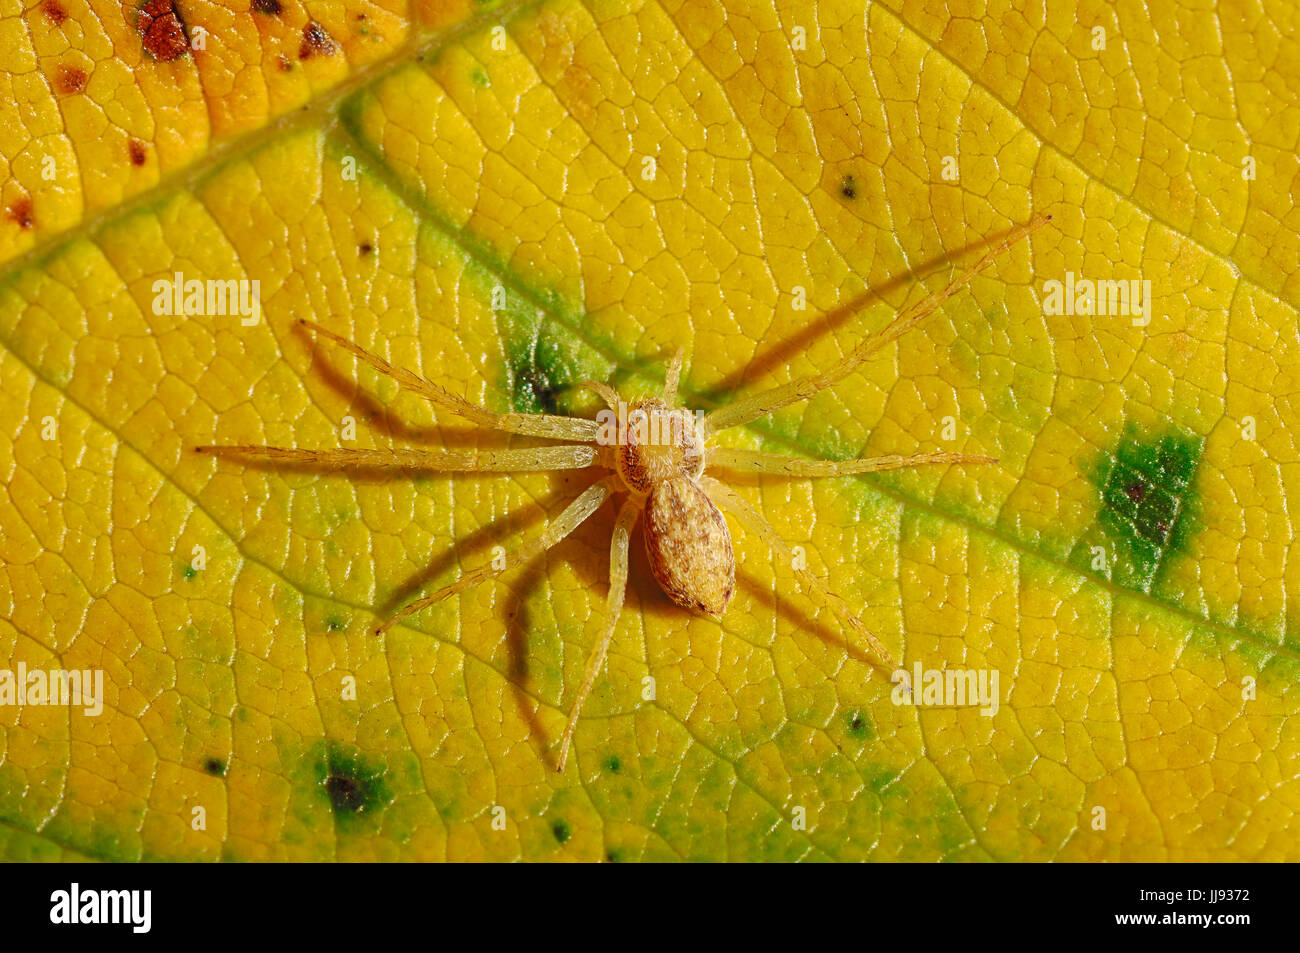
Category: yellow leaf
[511,199]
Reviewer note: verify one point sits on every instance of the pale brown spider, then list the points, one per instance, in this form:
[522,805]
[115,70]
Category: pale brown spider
[686,537]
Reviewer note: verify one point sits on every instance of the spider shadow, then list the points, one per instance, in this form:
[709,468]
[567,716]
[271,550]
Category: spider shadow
[378,416]
[783,352]
[592,537]
[816,625]
[383,418]
[531,576]
[646,598]
[819,624]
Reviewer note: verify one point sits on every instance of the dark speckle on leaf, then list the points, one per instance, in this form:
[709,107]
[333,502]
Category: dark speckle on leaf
[540,386]
[72,79]
[365,248]
[162,32]
[859,725]
[315,41]
[561,831]
[137,152]
[345,793]
[271,8]
[54,11]
[849,188]
[613,763]
[353,785]
[21,212]
[1136,491]
[215,767]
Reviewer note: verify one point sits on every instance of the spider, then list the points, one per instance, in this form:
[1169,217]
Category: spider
[659,454]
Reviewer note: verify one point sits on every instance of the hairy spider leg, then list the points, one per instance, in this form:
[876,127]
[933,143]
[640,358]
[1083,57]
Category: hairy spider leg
[529,459]
[605,392]
[532,425]
[760,405]
[573,516]
[618,549]
[751,461]
[673,376]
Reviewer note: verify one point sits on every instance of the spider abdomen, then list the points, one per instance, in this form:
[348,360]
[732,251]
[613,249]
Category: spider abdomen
[689,546]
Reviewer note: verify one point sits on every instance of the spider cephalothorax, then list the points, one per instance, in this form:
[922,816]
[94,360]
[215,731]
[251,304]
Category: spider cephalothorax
[660,457]
[658,452]
[657,442]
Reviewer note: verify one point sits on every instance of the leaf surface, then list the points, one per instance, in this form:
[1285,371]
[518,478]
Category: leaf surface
[512,211]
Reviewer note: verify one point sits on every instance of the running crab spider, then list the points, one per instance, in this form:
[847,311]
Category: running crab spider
[661,478]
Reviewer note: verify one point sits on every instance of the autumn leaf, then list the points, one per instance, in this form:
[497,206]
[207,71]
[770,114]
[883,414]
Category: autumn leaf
[511,199]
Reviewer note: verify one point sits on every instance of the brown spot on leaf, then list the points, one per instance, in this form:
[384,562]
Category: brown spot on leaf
[137,150]
[72,79]
[315,40]
[849,188]
[345,794]
[161,30]
[271,8]
[366,248]
[54,11]
[284,63]
[20,211]
[1136,492]
[563,65]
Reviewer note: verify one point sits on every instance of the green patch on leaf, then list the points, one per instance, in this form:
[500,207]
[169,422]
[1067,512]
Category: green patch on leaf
[542,363]
[1148,504]
[354,786]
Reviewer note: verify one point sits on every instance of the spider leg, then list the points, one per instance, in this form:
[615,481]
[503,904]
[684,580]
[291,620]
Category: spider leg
[618,548]
[532,425]
[574,514]
[818,589]
[606,393]
[570,457]
[751,462]
[673,376]
[760,405]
